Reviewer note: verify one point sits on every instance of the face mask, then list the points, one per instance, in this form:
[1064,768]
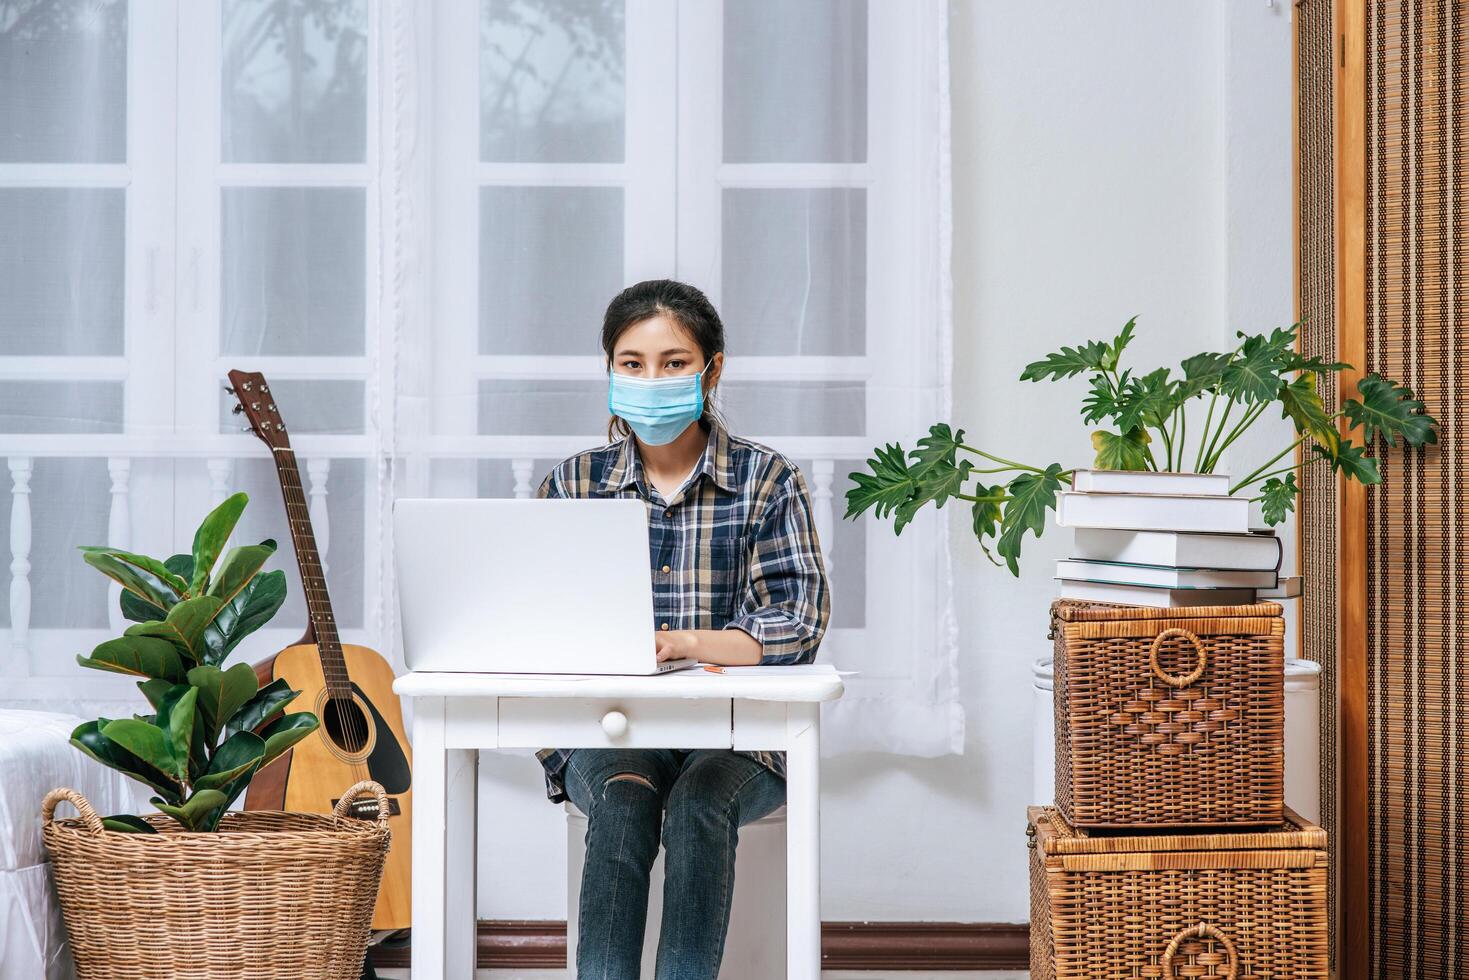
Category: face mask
[658,409]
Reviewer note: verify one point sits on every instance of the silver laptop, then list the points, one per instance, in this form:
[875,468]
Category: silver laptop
[526,586]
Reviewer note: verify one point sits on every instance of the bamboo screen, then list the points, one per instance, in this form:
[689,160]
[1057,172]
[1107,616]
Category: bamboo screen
[1316,285]
[1417,268]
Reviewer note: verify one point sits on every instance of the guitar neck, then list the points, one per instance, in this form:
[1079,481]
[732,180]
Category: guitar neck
[313,582]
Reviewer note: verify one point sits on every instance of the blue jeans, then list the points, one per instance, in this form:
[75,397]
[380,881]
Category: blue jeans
[696,801]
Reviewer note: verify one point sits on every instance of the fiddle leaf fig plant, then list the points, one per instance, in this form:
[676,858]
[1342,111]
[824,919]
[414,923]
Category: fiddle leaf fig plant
[1143,419]
[212,727]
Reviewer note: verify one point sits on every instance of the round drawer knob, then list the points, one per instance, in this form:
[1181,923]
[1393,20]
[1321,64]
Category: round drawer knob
[614,723]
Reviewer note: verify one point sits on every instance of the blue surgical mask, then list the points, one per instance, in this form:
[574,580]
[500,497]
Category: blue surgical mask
[658,409]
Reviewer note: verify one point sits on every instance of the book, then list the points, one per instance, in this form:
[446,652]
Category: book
[1147,481]
[1179,549]
[1163,576]
[1153,511]
[1142,595]
[1289,587]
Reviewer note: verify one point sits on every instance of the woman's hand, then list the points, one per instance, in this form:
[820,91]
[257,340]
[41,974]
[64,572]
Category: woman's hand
[731,647]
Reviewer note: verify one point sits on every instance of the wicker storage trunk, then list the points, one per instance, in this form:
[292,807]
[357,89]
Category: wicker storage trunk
[1243,905]
[1169,717]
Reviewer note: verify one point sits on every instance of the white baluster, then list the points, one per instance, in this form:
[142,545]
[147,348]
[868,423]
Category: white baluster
[821,477]
[20,563]
[317,471]
[119,529]
[221,469]
[522,468]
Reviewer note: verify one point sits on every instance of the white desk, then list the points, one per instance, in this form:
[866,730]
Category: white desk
[456,715]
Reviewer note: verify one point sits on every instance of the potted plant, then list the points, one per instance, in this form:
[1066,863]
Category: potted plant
[1145,417]
[265,893]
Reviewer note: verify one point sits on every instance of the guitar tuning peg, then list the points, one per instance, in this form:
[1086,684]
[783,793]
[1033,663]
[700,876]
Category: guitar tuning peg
[245,428]
[238,409]
[246,385]
[228,390]
[265,389]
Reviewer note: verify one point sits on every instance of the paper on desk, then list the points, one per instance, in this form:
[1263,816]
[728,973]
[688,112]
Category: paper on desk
[777,670]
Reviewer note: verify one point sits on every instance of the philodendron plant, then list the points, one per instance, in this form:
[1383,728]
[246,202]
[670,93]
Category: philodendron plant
[1146,428]
[212,728]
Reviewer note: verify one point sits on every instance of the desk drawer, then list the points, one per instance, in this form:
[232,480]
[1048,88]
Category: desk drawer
[608,723]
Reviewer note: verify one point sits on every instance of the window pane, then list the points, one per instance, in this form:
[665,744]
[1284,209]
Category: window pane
[550,261]
[68,407]
[61,271]
[794,408]
[496,477]
[292,262]
[537,407]
[848,572]
[295,81]
[795,271]
[307,407]
[63,81]
[551,81]
[795,81]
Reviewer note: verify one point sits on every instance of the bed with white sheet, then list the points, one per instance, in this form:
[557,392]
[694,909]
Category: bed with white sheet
[36,757]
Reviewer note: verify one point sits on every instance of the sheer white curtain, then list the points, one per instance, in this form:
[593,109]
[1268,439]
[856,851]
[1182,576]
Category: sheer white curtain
[410,216]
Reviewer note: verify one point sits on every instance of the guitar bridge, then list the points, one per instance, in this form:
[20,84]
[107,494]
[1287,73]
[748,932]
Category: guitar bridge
[365,808]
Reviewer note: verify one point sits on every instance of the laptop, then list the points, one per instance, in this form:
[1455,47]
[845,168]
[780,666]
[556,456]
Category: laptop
[538,586]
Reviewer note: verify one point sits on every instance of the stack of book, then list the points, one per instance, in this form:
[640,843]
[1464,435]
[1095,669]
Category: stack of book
[1166,539]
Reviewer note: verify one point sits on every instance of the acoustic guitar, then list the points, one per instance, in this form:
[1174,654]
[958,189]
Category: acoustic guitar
[350,688]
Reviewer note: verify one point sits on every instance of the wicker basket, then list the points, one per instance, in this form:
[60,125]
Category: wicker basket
[278,895]
[1241,905]
[1169,717]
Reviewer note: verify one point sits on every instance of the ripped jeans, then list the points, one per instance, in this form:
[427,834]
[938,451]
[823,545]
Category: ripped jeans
[696,801]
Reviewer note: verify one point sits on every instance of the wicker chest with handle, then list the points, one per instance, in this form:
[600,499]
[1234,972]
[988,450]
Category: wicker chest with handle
[1169,717]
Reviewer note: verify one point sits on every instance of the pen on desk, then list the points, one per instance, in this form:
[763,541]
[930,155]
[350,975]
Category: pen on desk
[714,668]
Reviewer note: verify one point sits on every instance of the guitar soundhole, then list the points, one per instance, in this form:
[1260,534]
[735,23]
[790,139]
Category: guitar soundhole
[346,724]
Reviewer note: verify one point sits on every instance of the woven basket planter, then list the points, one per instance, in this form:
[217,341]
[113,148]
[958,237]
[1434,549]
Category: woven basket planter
[1241,905]
[1169,717]
[278,895]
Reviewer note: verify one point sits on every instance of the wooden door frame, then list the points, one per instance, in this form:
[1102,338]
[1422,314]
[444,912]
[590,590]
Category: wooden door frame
[1349,104]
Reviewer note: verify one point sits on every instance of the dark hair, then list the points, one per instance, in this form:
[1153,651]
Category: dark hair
[684,304]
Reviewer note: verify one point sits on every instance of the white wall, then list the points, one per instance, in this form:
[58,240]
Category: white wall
[1109,160]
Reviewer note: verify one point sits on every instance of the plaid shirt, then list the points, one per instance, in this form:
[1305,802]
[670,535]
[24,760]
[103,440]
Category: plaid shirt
[734,548]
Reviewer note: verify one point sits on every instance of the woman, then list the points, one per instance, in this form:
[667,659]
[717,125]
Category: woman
[737,579]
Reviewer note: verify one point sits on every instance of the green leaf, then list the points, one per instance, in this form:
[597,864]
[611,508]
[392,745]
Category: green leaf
[154,690]
[1147,401]
[1201,373]
[238,568]
[142,656]
[1068,361]
[1353,462]
[985,515]
[1254,376]
[236,756]
[1295,361]
[251,608]
[938,447]
[184,626]
[269,702]
[221,694]
[1119,344]
[1390,410]
[196,809]
[1121,452]
[149,743]
[937,483]
[1278,498]
[159,570]
[1301,403]
[1102,401]
[285,732]
[886,488]
[1031,495]
[176,717]
[88,737]
[142,584]
[137,610]
[128,823]
[209,540]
